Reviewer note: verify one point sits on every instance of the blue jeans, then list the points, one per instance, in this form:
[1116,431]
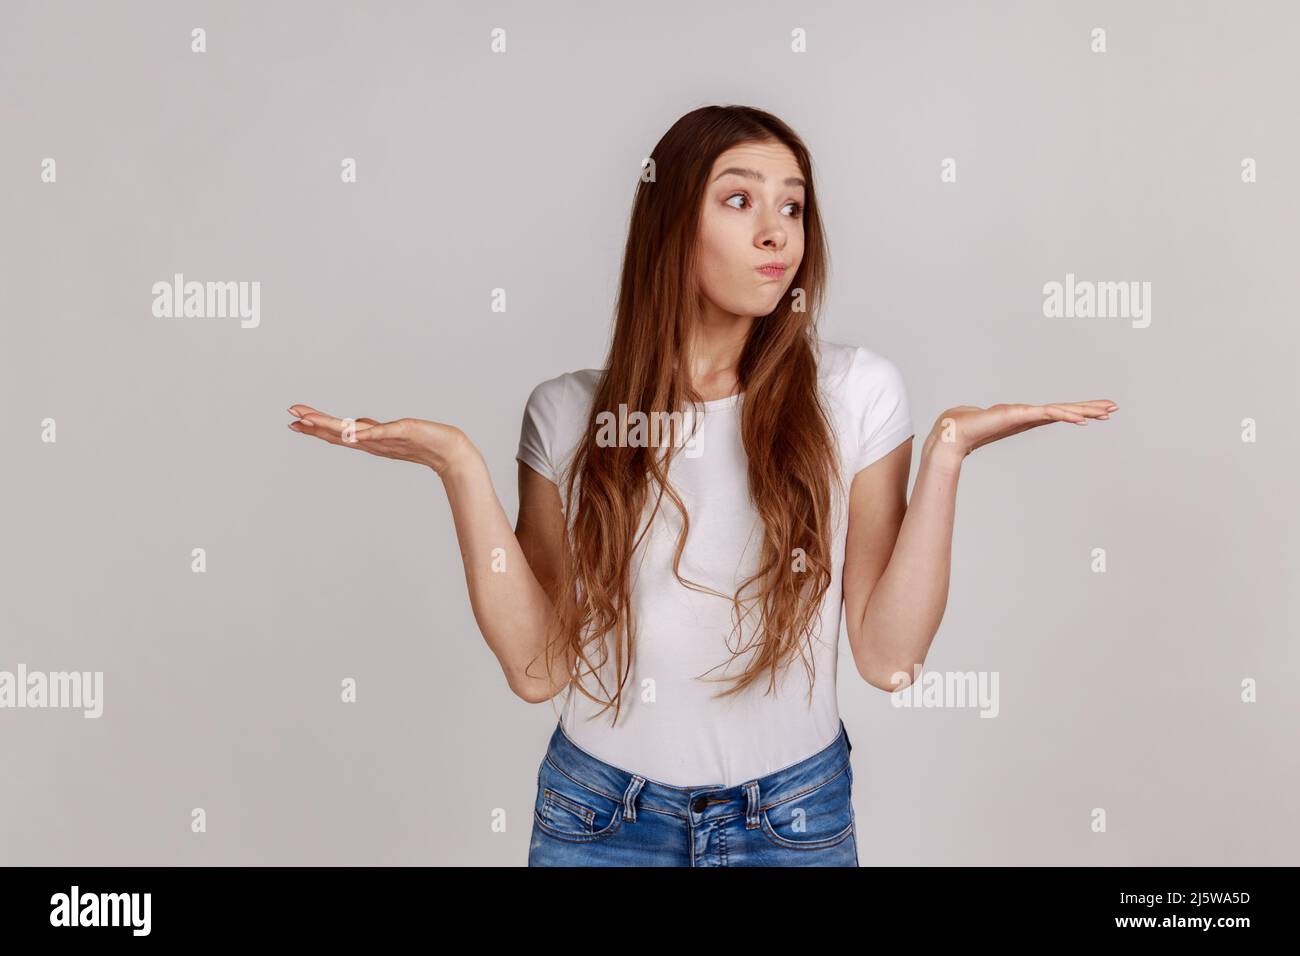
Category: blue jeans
[591,813]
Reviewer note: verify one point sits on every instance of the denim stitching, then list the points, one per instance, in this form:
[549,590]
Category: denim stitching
[751,806]
[613,827]
[629,797]
[807,790]
[686,816]
[579,783]
[583,813]
[822,844]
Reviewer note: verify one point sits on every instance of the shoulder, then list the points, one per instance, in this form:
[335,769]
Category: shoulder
[555,417]
[855,372]
[557,411]
[868,401]
[565,394]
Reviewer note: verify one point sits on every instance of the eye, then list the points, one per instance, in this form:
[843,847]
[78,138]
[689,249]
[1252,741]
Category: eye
[795,214]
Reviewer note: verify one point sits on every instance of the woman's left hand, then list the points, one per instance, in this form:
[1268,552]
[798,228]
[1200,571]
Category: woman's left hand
[962,429]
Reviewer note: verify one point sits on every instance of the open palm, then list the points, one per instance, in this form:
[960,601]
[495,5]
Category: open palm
[967,427]
[405,439]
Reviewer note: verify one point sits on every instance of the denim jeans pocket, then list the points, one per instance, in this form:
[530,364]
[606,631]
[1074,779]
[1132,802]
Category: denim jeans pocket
[818,818]
[568,810]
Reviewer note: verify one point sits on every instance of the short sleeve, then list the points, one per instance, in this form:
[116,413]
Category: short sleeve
[881,413]
[537,433]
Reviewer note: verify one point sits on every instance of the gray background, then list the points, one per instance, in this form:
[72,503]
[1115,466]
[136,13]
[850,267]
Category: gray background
[476,171]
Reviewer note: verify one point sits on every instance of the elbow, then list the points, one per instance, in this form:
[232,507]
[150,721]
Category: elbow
[891,677]
[531,694]
[525,689]
[880,684]
[530,689]
[535,679]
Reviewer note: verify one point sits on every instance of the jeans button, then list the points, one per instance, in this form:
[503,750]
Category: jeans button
[698,804]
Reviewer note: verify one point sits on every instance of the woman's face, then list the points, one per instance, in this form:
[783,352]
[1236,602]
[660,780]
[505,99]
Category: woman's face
[752,216]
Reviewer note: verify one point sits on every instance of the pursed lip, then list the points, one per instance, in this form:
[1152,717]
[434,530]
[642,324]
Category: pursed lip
[773,269]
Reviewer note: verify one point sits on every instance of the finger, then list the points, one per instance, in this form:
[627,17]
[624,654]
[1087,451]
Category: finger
[381,432]
[347,439]
[362,424]
[1042,414]
[308,417]
[1098,411]
[319,422]
[300,409]
[1061,413]
[1086,409]
[324,434]
[364,427]
[1104,405]
[1027,416]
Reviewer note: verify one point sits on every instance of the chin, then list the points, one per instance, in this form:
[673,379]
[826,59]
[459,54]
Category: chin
[755,309]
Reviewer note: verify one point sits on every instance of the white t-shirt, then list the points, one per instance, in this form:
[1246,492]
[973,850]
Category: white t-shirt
[671,729]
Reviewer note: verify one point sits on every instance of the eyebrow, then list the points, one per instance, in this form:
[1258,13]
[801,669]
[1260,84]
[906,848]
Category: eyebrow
[755,174]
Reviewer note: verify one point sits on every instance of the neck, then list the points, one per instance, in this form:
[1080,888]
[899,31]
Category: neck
[714,349]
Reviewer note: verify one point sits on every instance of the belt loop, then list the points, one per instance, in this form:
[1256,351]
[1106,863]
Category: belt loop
[751,812]
[846,736]
[629,797]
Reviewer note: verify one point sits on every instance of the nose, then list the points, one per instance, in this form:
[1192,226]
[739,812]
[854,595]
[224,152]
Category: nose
[772,233]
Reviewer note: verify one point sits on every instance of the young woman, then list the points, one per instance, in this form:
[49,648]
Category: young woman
[684,584]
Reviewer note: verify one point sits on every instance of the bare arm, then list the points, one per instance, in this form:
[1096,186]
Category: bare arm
[511,591]
[906,550]
[511,576]
[899,555]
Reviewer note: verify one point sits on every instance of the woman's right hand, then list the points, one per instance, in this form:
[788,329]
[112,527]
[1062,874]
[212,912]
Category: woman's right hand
[513,611]
[440,447]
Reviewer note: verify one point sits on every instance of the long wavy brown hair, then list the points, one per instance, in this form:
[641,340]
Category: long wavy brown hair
[785,427]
